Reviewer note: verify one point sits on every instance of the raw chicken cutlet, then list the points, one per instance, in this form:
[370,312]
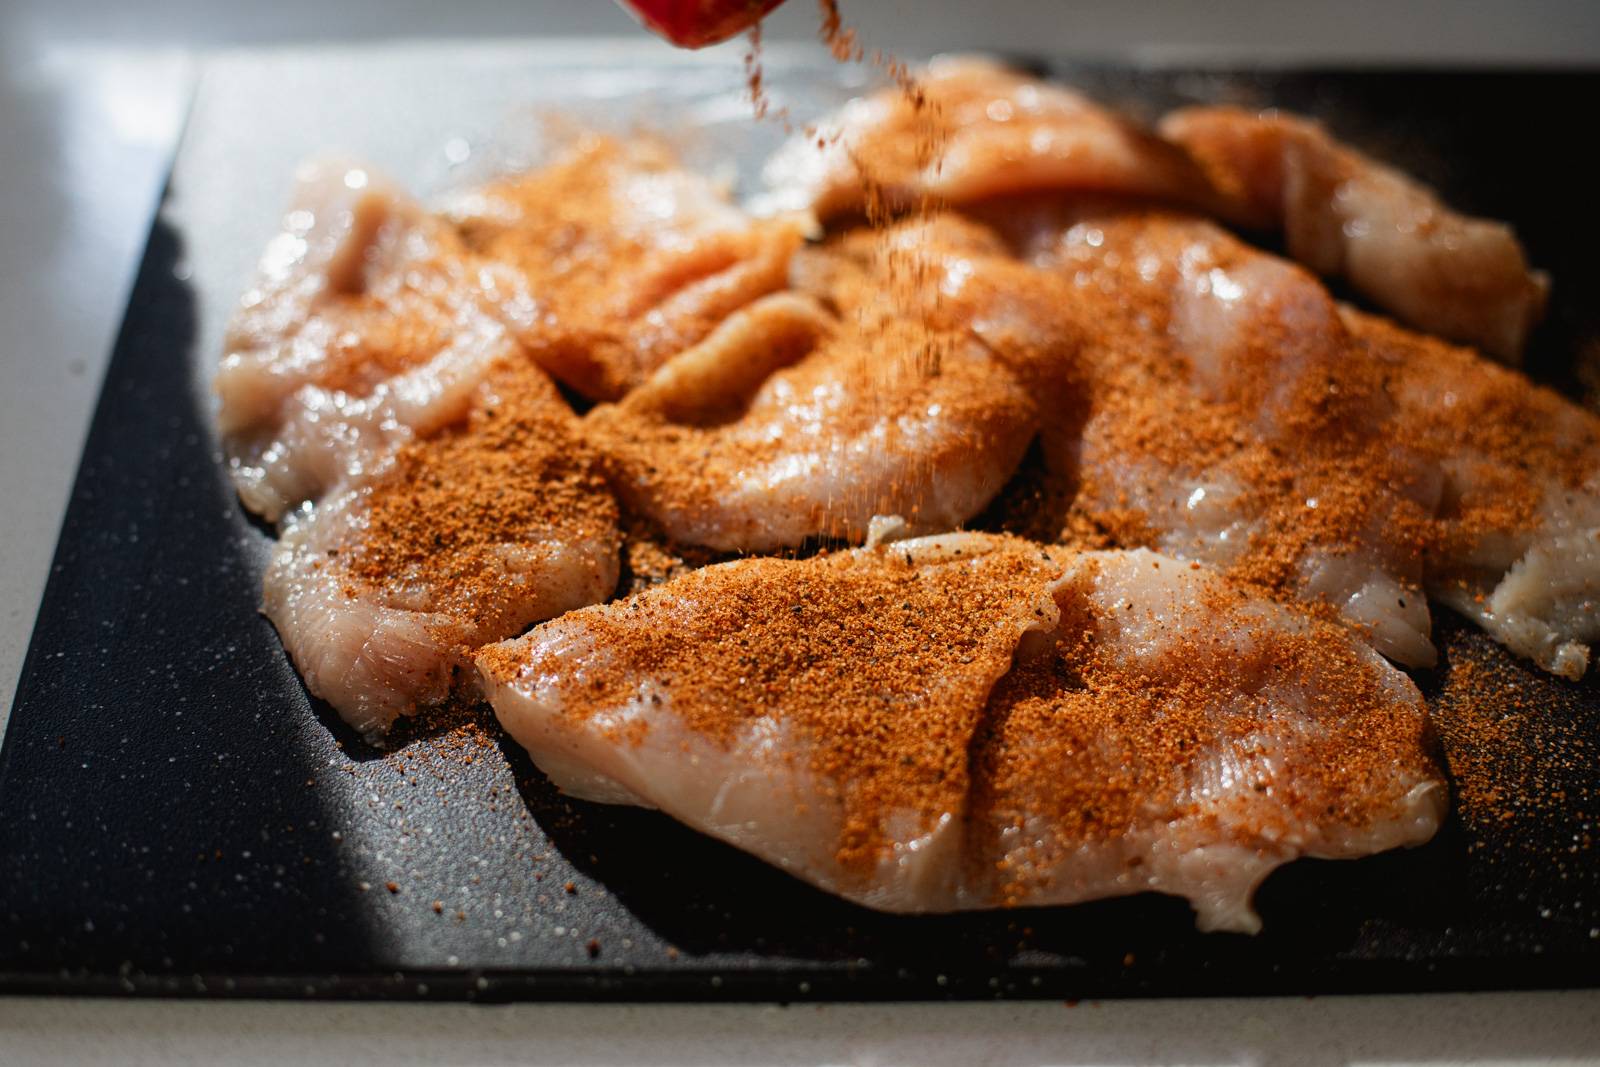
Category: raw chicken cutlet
[1346,215]
[1235,414]
[1184,736]
[1518,545]
[628,257]
[815,712]
[970,129]
[384,589]
[368,323]
[970,721]
[917,394]
[1228,417]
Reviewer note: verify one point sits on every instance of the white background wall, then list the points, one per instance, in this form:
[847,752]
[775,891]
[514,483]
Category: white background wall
[1353,29]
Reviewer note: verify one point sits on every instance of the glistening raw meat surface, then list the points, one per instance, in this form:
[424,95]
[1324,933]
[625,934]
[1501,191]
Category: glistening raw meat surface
[857,720]
[383,589]
[934,724]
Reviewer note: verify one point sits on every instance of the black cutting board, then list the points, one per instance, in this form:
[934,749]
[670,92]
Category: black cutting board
[180,818]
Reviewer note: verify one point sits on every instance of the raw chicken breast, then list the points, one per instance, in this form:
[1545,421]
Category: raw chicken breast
[1184,737]
[368,323]
[919,398]
[1230,418]
[840,717]
[1346,215]
[965,129]
[629,258]
[384,589]
[1518,550]
[817,713]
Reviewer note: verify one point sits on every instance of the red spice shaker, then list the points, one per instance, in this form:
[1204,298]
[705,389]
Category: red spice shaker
[697,23]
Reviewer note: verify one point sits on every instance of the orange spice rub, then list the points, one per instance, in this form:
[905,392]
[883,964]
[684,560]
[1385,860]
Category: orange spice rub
[1512,442]
[1521,771]
[910,384]
[1252,732]
[444,519]
[872,665]
[1248,430]
[628,258]
[371,286]
[383,590]
[376,334]
[927,732]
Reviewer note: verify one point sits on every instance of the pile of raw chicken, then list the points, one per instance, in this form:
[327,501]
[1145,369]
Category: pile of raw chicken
[536,403]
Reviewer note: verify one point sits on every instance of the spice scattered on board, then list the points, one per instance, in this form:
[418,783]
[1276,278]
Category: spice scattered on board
[1521,764]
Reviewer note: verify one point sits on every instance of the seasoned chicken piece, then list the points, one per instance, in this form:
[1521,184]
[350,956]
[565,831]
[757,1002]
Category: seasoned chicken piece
[816,713]
[1518,549]
[368,323]
[384,589]
[1346,215]
[629,258]
[1181,736]
[788,422]
[840,718]
[966,129]
[1231,419]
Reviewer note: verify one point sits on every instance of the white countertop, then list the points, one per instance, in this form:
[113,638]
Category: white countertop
[91,101]
[1541,1028]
